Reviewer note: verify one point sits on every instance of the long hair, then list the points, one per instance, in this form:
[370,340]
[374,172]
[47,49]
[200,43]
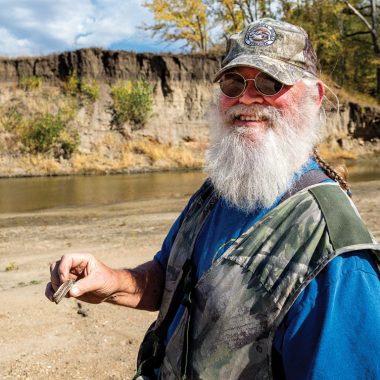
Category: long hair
[338,175]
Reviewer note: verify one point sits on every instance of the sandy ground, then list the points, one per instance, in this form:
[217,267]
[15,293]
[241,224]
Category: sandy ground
[40,339]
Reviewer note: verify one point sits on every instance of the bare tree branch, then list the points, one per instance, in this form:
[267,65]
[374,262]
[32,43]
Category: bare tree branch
[366,7]
[359,15]
[356,33]
[249,10]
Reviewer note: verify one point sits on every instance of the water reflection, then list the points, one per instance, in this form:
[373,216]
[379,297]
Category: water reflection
[361,171]
[29,194]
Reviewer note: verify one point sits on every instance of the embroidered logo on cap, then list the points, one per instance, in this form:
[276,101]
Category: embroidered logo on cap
[260,35]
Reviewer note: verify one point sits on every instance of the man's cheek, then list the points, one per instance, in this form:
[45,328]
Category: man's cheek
[225,102]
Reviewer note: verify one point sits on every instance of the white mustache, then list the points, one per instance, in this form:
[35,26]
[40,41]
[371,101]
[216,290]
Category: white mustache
[256,110]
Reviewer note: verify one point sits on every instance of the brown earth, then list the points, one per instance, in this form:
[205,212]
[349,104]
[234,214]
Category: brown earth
[40,339]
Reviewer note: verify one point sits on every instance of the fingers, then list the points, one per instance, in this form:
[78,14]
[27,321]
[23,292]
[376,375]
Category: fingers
[73,265]
[94,280]
[70,266]
[49,291]
[54,277]
[83,286]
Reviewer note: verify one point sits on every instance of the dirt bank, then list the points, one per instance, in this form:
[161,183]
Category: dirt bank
[39,339]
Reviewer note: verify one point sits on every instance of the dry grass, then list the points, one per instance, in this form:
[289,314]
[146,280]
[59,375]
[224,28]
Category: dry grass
[345,96]
[166,155]
[136,155]
[132,156]
[329,152]
[39,164]
[362,99]
[93,163]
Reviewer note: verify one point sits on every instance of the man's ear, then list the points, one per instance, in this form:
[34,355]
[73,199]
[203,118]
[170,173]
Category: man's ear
[321,91]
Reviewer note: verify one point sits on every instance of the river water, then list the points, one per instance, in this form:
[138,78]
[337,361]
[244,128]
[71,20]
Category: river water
[37,193]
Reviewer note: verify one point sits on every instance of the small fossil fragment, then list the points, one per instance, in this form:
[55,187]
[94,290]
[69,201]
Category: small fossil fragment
[63,290]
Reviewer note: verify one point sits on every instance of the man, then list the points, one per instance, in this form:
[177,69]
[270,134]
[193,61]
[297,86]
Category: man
[268,272]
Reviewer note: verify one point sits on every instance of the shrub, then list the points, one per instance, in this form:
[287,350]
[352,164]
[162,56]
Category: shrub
[46,133]
[11,119]
[72,85]
[90,89]
[68,110]
[42,132]
[67,143]
[30,83]
[133,102]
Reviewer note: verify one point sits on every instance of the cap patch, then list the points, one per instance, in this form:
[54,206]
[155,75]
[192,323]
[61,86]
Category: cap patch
[260,35]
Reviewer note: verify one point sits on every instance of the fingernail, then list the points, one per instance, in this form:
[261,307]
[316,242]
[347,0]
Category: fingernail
[74,291]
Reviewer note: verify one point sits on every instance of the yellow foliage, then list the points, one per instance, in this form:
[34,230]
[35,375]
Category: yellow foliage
[180,20]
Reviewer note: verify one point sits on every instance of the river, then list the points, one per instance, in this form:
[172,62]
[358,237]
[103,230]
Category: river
[37,193]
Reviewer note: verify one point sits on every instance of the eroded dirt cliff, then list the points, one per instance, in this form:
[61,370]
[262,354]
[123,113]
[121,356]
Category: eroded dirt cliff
[176,133]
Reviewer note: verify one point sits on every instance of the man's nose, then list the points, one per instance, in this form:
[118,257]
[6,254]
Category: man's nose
[251,95]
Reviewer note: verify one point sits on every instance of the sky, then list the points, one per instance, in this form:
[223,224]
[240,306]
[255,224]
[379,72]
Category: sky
[39,27]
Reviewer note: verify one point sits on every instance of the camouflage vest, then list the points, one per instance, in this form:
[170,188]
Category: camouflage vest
[234,310]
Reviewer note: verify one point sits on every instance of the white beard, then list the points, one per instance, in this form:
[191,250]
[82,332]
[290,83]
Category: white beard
[251,168]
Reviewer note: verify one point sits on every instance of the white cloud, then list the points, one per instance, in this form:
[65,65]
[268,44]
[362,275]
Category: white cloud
[11,45]
[44,26]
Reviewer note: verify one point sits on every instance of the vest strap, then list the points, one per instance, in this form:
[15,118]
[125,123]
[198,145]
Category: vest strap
[343,223]
[310,178]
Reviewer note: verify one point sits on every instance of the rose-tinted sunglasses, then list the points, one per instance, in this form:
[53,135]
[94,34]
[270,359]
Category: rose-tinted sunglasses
[234,84]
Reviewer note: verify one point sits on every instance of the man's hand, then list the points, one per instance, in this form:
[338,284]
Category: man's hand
[95,282]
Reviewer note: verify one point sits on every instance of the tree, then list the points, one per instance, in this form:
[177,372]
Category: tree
[177,20]
[234,15]
[320,19]
[344,50]
[347,52]
[189,20]
[372,27]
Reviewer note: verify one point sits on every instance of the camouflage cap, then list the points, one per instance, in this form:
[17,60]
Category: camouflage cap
[277,48]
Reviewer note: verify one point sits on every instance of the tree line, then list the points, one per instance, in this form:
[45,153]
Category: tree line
[345,34]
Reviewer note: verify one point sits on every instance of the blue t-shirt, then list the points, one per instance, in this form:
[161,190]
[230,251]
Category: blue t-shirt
[321,326]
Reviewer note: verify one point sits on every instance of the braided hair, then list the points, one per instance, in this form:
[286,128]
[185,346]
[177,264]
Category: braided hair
[340,177]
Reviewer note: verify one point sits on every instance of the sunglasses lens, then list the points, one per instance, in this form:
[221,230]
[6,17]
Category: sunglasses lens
[232,85]
[267,85]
